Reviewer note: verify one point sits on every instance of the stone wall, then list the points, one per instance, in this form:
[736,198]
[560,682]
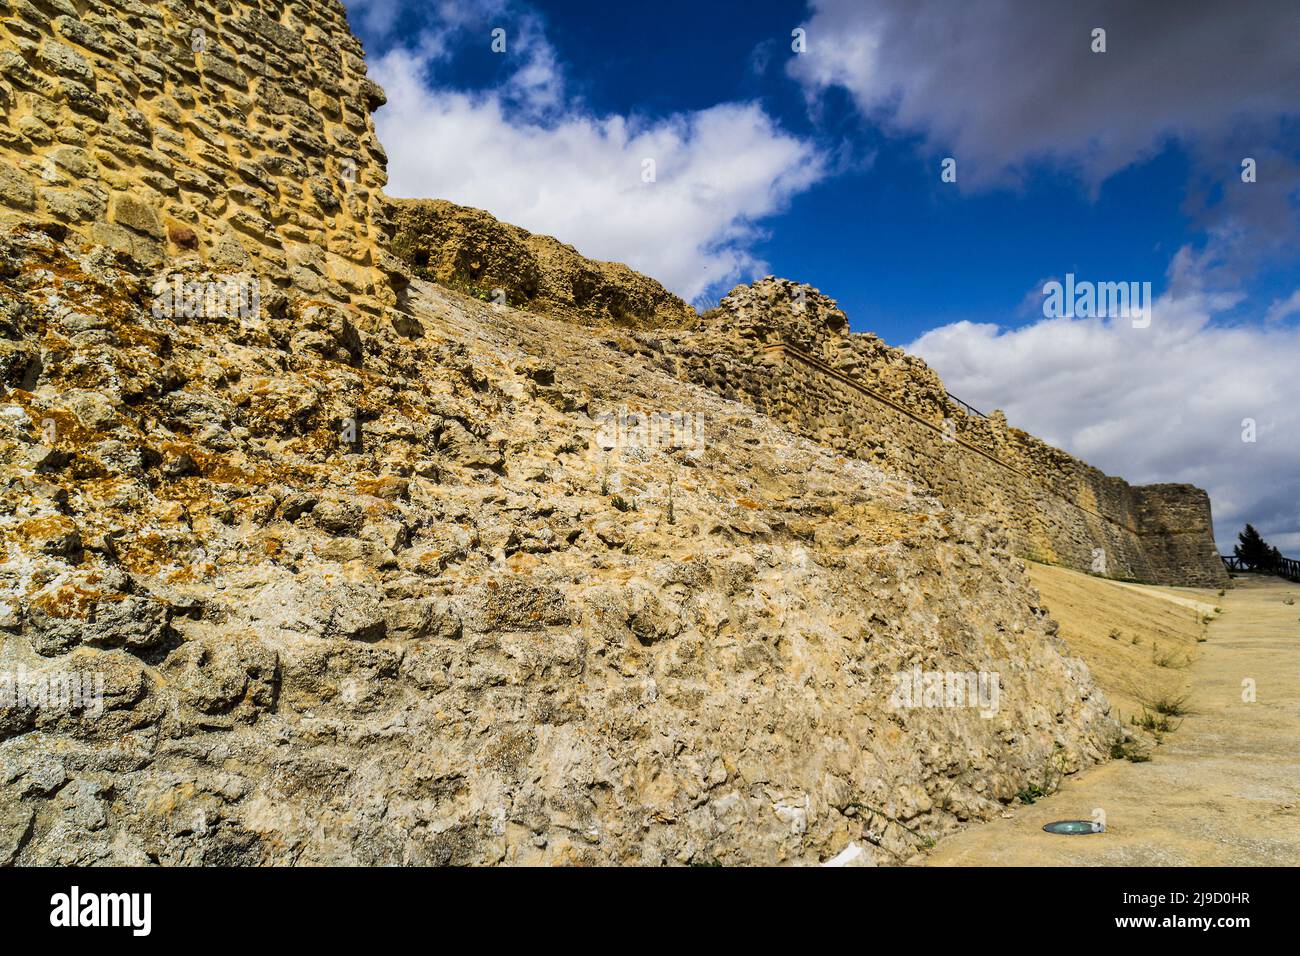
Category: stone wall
[470,250]
[232,136]
[786,350]
[236,137]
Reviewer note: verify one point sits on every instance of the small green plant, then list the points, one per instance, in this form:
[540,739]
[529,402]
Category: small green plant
[1031,793]
[1116,633]
[1123,750]
[619,502]
[1156,723]
[672,514]
[1053,771]
[1171,706]
[1136,640]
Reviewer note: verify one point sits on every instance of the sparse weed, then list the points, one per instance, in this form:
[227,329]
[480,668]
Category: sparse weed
[1125,750]
[1030,794]
[1167,660]
[1171,706]
[1053,771]
[1156,723]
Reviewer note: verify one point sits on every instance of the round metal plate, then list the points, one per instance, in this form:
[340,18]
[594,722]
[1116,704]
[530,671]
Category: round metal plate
[1074,827]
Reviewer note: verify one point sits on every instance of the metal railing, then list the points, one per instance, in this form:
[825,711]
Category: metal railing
[968,408]
[1288,568]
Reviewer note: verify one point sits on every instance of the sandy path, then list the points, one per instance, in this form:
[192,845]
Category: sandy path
[1223,790]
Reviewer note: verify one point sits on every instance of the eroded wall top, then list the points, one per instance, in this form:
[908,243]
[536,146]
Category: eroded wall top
[471,250]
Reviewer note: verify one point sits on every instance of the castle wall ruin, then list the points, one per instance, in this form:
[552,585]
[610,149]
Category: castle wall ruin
[232,137]
[786,350]
[236,137]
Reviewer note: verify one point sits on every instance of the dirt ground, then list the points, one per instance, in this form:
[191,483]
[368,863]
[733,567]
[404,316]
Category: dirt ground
[1223,787]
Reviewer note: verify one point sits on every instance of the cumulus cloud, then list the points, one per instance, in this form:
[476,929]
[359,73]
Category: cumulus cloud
[376,17]
[534,156]
[1000,83]
[1008,88]
[1170,402]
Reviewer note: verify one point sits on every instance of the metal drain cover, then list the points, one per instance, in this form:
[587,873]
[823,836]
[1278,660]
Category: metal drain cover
[1074,827]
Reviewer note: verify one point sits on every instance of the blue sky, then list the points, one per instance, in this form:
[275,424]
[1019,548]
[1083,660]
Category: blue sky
[824,166]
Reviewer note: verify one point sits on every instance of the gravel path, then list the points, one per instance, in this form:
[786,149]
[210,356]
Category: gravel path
[1222,790]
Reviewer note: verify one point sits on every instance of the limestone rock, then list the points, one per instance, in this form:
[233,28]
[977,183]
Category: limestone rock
[469,249]
[498,592]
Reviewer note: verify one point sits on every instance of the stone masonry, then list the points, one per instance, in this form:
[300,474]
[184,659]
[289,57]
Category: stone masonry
[787,350]
[232,137]
[346,596]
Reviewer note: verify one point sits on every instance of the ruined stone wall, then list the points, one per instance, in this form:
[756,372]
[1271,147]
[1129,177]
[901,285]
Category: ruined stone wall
[787,350]
[472,251]
[233,136]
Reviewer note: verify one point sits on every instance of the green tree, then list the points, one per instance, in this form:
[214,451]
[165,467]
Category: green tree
[1254,552]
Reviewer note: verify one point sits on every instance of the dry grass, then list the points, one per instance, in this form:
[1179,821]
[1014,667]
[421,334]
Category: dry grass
[1138,642]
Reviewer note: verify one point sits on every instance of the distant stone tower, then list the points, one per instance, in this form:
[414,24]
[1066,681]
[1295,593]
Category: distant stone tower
[232,136]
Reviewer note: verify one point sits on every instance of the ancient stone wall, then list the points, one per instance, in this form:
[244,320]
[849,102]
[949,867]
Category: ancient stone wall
[786,350]
[228,135]
[1178,535]
[470,250]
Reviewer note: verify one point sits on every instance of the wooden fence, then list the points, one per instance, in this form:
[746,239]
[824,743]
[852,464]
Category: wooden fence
[1288,568]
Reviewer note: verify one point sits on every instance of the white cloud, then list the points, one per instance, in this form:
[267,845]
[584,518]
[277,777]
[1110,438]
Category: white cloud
[1002,83]
[375,16]
[1165,403]
[1284,308]
[534,157]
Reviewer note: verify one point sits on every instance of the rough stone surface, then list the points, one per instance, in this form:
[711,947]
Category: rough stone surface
[360,598]
[443,589]
[224,126]
[786,349]
[472,251]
